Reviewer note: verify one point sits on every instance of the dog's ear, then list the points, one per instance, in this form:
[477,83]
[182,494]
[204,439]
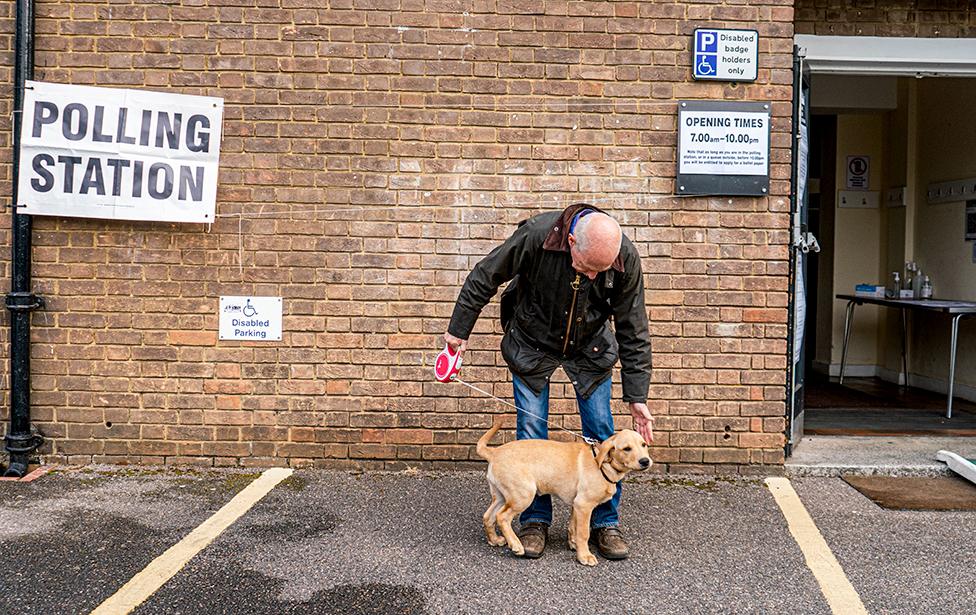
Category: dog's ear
[603,450]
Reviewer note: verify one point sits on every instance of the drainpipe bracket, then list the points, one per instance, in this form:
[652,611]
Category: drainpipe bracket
[23,302]
[22,443]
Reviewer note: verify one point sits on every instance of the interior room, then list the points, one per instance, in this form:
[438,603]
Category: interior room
[892,171]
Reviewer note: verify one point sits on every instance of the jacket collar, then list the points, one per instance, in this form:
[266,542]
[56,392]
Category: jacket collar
[558,238]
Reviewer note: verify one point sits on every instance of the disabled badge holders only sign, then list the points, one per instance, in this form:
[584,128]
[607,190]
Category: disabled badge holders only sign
[256,319]
[726,55]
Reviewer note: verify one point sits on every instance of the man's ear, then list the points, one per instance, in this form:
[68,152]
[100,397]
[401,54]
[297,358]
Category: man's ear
[603,451]
[571,239]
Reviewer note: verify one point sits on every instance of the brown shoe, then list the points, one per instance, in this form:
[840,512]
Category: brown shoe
[533,536]
[610,542]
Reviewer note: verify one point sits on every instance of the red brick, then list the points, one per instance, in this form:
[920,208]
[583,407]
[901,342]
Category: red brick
[376,155]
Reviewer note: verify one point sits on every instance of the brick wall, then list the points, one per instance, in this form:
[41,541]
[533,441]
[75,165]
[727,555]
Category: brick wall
[917,18]
[373,151]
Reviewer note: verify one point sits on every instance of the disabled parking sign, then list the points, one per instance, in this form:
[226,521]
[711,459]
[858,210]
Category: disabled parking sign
[726,55]
[250,318]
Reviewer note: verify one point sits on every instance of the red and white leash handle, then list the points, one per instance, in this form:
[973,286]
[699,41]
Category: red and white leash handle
[447,366]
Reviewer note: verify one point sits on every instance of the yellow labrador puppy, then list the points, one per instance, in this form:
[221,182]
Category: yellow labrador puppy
[581,475]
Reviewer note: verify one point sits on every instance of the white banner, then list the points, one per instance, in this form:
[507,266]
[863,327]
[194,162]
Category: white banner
[124,154]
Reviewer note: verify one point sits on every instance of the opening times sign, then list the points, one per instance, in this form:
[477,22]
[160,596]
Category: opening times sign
[723,148]
[115,153]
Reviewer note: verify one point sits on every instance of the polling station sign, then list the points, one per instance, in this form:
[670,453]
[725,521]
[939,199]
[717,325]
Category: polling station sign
[723,147]
[120,154]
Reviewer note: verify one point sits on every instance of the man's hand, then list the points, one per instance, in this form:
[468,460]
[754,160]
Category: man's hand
[642,420]
[457,344]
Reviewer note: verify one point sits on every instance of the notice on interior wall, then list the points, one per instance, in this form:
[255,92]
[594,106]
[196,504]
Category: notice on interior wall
[121,154]
[858,172]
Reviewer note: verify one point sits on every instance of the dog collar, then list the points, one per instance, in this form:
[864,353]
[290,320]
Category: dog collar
[605,477]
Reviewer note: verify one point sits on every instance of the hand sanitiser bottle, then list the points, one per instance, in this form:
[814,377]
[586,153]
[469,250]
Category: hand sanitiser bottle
[894,287]
[926,288]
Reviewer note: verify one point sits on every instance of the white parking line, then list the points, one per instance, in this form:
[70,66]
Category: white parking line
[162,569]
[837,589]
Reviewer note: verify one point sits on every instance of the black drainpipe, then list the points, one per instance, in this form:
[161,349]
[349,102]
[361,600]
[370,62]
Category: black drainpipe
[20,442]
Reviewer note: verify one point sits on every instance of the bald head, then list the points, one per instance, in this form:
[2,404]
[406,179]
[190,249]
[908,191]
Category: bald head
[595,243]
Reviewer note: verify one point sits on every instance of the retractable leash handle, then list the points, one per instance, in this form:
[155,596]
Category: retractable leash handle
[447,366]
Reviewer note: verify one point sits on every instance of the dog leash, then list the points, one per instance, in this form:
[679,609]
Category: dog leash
[447,368]
[589,441]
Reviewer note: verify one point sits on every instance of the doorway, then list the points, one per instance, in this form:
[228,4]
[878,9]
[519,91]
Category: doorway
[905,133]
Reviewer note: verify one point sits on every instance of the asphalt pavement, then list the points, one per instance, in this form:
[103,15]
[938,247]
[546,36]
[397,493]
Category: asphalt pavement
[412,542]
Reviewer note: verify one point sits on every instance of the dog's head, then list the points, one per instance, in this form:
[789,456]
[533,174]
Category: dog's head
[625,451]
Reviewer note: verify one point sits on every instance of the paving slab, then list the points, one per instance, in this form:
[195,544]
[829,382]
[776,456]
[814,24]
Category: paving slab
[901,562]
[400,543]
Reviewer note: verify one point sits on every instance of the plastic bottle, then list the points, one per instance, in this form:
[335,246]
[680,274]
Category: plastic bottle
[917,284]
[926,288]
[910,268]
[894,287]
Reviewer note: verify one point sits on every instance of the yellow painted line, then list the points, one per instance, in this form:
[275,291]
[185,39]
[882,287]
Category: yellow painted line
[837,589]
[162,569]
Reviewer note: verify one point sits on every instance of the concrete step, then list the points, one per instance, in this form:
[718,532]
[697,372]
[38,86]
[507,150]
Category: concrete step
[875,456]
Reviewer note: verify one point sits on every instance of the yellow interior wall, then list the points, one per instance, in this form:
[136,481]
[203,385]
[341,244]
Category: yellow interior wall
[947,151]
[893,222]
[858,238]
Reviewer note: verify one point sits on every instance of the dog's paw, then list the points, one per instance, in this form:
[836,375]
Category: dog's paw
[517,549]
[587,560]
[496,541]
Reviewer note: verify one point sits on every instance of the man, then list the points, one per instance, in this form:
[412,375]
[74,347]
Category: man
[570,272]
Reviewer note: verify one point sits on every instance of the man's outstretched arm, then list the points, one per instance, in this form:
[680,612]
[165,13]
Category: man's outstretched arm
[500,266]
[634,339]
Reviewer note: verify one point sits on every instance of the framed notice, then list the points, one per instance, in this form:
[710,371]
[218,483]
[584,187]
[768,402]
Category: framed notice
[113,153]
[726,55]
[723,148]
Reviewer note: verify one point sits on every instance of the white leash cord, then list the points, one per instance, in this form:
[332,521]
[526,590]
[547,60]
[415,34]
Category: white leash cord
[495,397]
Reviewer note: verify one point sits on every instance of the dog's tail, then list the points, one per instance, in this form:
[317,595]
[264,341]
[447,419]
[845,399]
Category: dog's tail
[484,451]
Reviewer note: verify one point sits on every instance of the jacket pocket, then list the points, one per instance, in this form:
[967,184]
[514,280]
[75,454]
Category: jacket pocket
[519,352]
[602,349]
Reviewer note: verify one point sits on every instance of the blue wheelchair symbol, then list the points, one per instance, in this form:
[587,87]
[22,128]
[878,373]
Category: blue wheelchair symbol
[705,65]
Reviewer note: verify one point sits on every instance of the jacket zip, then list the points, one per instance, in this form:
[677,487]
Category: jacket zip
[572,310]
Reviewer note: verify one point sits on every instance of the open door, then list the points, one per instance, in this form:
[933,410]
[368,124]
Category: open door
[803,242]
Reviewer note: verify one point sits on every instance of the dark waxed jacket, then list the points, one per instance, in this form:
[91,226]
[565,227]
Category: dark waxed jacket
[536,308]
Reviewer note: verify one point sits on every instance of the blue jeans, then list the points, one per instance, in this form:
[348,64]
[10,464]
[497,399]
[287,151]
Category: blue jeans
[597,423]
